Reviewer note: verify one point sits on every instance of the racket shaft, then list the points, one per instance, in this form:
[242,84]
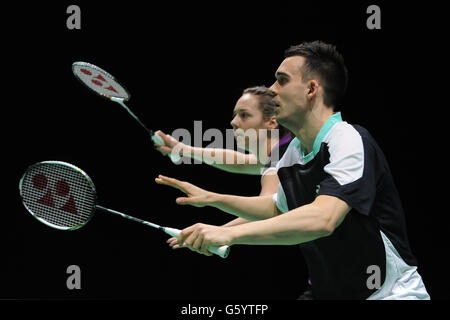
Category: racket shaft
[123,215]
[120,101]
[156,139]
[221,251]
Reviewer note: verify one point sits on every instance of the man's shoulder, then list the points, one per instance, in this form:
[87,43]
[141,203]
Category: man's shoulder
[349,137]
[344,131]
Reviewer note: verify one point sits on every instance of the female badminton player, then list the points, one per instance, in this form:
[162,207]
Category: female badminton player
[255,110]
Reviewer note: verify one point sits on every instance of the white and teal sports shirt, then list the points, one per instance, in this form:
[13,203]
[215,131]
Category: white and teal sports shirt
[347,163]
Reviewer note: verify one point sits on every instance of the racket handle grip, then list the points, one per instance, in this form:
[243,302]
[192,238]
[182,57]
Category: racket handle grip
[160,142]
[157,139]
[221,251]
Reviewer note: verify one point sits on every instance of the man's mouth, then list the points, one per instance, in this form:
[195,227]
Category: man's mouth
[277,104]
[277,109]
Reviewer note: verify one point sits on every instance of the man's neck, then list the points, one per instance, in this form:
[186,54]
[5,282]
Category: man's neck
[312,124]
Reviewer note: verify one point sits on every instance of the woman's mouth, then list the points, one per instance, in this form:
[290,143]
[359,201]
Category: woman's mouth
[239,133]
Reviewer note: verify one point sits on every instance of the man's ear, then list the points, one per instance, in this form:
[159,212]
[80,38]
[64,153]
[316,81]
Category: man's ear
[312,89]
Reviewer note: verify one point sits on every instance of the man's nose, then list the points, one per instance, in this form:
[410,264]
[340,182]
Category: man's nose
[273,88]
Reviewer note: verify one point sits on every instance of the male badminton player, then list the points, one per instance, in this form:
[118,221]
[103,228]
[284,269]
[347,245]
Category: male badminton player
[336,196]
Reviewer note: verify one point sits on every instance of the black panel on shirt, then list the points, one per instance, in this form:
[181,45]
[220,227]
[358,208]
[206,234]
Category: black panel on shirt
[300,180]
[330,260]
[338,263]
[375,194]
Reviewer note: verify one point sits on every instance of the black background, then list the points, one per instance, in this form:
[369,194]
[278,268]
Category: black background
[184,63]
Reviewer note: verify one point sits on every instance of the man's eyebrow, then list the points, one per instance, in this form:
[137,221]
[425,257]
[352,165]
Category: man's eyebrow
[281,74]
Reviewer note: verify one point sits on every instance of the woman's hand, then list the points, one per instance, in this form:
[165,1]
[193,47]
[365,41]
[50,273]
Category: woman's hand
[169,144]
[195,196]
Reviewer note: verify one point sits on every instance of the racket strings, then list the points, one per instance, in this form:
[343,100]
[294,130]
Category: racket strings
[99,80]
[59,195]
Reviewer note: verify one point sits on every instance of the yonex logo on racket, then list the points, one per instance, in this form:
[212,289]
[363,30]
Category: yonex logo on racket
[44,184]
[61,189]
[98,80]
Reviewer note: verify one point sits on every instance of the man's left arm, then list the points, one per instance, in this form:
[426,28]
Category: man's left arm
[303,224]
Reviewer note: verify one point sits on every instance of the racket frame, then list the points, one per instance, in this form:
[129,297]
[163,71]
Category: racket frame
[221,251]
[98,69]
[88,179]
[120,100]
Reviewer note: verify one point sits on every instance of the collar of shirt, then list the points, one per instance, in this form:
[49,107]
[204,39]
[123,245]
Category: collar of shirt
[331,121]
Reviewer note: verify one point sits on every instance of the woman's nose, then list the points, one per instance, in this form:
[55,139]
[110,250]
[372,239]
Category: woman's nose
[234,123]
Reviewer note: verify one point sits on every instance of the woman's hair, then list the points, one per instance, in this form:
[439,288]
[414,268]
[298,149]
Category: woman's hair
[267,105]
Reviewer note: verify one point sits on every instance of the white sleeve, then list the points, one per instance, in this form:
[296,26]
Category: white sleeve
[279,199]
[346,156]
[270,170]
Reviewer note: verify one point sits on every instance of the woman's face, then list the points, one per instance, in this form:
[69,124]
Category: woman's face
[248,122]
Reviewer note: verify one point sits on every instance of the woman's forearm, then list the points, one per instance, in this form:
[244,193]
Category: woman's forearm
[225,159]
[235,222]
[249,208]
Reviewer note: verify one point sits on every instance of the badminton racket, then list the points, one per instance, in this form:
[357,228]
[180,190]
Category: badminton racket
[105,85]
[63,197]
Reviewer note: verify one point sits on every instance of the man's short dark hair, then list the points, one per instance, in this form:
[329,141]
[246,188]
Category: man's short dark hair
[322,60]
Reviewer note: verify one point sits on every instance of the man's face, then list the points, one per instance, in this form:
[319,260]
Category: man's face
[290,89]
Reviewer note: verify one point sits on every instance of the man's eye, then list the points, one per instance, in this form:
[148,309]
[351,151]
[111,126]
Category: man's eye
[282,80]
[244,115]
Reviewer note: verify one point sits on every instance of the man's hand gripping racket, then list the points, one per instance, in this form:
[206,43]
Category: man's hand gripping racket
[63,197]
